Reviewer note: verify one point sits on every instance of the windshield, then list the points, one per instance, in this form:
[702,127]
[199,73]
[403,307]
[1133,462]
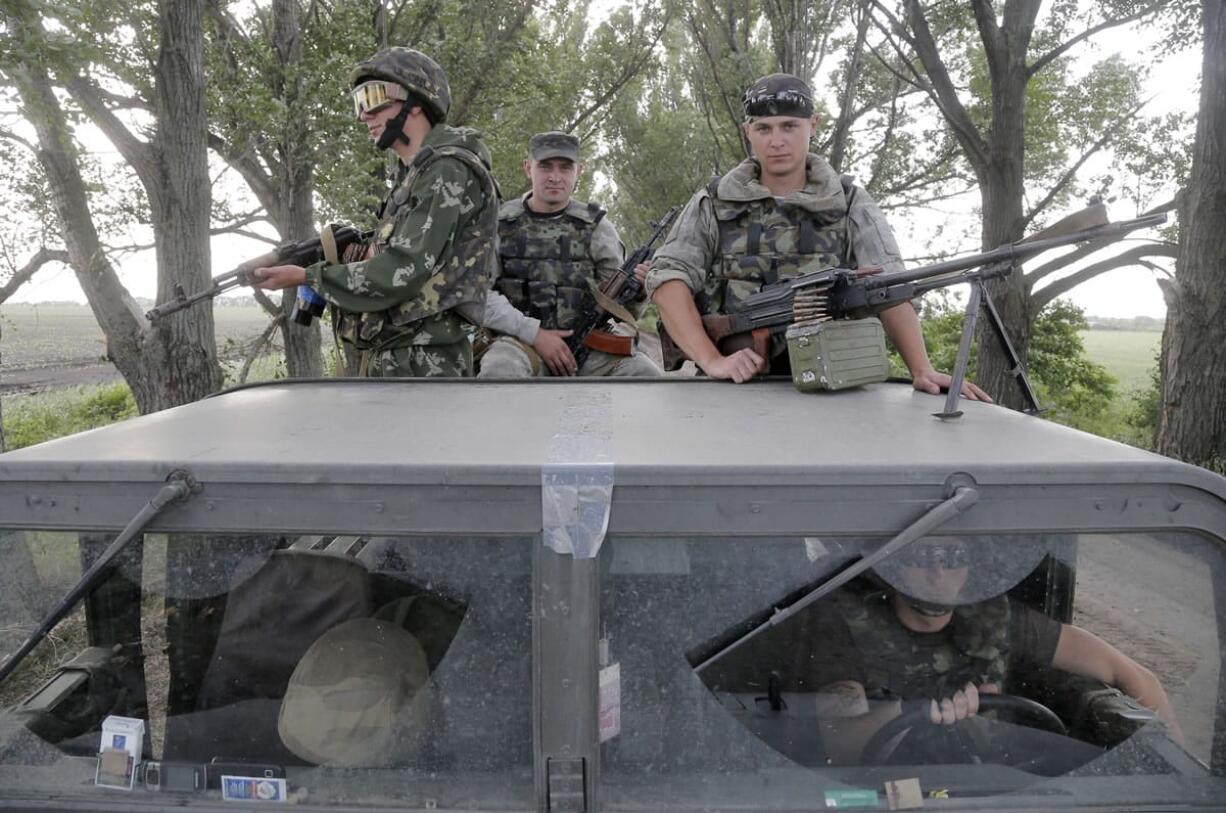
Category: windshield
[335,670]
[1093,661]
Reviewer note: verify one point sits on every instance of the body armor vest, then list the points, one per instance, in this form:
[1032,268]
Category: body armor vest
[973,648]
[471,249]
[547,266]
[761,242]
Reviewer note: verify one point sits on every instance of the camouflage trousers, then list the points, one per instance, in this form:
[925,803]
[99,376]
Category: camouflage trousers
[508,357]
[453,360]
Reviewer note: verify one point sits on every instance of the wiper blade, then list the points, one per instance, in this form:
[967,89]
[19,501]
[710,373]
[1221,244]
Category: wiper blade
[962,499]
[180,485]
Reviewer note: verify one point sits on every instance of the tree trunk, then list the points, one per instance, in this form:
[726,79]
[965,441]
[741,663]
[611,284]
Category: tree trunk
[175,362]
[185,343]
[1192,422]
[1002,218]
[303,356]
[1002,186]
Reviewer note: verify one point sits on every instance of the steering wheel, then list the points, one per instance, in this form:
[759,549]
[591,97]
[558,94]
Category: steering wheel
[917,713]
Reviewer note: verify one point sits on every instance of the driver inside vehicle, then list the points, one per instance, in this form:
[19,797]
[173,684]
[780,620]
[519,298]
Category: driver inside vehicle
[936,637]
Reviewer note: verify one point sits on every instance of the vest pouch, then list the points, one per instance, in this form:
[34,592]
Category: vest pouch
[570,305]
[837,355]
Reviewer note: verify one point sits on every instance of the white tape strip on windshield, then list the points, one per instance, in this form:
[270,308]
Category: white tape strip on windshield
[577,476]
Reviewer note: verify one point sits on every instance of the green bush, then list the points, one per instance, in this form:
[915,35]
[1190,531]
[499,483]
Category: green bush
[36,418]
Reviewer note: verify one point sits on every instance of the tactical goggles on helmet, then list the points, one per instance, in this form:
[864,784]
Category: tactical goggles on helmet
[948,556]
[789,102]
[372,96]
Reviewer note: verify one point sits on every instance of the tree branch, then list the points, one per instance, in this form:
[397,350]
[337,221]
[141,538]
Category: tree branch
[629,71]
[258,346]
[9,135]
[134,151]
[1133,256]
[1054,54]
[1071,172]
[20,277]
[942,87]
[248,165]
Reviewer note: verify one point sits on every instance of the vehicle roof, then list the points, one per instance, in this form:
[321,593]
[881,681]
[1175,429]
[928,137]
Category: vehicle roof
[652,432]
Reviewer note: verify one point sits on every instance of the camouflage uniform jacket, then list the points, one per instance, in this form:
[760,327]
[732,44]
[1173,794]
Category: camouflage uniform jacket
[433,252]
[550,262]
[735,236]
[983,643]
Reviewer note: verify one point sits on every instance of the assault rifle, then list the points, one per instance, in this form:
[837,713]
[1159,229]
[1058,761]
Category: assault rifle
[845,293]
[303,252]
[612,300]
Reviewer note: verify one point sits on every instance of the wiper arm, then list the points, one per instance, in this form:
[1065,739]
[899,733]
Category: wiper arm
[180,485]
[962,499]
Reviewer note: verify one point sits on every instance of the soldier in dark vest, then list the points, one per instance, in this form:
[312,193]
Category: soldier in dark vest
[779,212]
[553,251]
[942,631]
[406,305]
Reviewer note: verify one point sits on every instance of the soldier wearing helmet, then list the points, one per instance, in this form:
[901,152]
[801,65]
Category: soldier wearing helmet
[405,304]
[553,251]
[781,211]
[938,630]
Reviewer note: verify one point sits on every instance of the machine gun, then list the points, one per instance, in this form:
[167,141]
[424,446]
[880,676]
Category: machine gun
[817,296]
[303,252]
[613,298]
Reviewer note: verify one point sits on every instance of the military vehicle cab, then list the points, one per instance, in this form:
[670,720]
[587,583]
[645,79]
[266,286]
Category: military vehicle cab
[590,596]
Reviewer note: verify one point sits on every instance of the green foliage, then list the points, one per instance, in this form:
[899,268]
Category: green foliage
[38,418]
[1077,391]
[1141,415]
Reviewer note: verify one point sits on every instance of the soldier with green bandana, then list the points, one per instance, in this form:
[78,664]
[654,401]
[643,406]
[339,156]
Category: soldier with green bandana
[553,252]
[405,305]
[780,212]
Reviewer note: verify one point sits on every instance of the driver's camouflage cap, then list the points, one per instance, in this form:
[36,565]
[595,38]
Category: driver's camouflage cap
[554,144]
[778,94]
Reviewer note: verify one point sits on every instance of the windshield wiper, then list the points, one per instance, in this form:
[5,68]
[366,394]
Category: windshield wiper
[963,498]
[179,485]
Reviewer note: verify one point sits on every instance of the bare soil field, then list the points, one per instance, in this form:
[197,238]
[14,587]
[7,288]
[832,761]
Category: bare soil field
[47,347]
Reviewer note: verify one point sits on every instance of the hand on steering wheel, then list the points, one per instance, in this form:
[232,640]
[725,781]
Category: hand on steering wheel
[918,713]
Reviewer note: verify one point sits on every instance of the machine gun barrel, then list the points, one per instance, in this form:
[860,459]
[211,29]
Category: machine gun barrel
[1013,253]
[840,293]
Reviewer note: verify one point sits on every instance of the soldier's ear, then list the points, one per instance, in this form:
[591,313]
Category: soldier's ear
[528,168]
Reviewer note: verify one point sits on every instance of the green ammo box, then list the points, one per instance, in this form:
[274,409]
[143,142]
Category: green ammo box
[838,354]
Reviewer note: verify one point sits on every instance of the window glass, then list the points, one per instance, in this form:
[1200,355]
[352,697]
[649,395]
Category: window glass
[383,671]
[743,683]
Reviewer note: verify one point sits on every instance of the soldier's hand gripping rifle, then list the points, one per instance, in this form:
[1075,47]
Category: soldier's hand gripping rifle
[613,300]
[843,293]
[303,252]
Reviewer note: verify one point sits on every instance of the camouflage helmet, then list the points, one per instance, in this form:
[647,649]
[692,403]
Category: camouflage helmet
[412,70]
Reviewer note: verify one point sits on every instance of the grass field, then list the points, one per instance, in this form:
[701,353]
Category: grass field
[1129,355]
[50,335]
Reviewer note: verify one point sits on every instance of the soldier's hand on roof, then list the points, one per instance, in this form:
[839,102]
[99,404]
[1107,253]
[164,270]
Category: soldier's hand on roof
[937,383]
[741,366]
[276,277]
[550,345]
